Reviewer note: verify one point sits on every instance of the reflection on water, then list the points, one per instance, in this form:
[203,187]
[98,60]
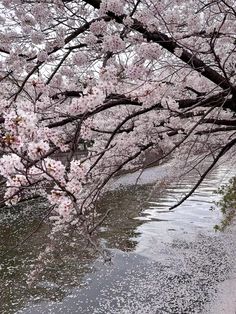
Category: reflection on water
[190,218]
[139,227]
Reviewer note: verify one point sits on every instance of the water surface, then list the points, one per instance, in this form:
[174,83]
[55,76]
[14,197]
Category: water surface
[163,261]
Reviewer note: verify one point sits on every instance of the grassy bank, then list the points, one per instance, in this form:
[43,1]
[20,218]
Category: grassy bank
[227,204]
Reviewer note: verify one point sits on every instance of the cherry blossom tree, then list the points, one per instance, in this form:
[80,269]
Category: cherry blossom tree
[124,77]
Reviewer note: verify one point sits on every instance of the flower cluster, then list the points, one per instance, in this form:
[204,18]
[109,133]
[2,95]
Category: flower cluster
[114,6]
[149,51]
[98,27]
[113,43]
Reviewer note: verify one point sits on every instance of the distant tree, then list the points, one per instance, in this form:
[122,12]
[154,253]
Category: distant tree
[126,76]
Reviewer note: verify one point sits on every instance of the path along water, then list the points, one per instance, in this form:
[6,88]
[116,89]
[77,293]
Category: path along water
[163,261]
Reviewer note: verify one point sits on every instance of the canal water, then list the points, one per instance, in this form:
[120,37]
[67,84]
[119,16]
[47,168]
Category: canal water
[162,261]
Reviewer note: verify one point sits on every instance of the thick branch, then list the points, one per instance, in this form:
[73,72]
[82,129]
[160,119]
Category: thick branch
[170,44]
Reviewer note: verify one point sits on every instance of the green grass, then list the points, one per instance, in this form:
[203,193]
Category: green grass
[227,204]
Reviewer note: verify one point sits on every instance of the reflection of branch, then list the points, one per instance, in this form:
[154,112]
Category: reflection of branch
[48,212]
[102,252]
[224,150]
[90,231]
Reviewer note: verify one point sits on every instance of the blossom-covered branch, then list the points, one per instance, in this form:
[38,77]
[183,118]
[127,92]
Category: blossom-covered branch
[127,79]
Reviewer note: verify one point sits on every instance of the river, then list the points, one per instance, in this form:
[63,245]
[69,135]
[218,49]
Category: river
[162,261]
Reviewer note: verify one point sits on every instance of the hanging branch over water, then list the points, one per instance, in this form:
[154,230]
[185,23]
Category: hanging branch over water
[125,79]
